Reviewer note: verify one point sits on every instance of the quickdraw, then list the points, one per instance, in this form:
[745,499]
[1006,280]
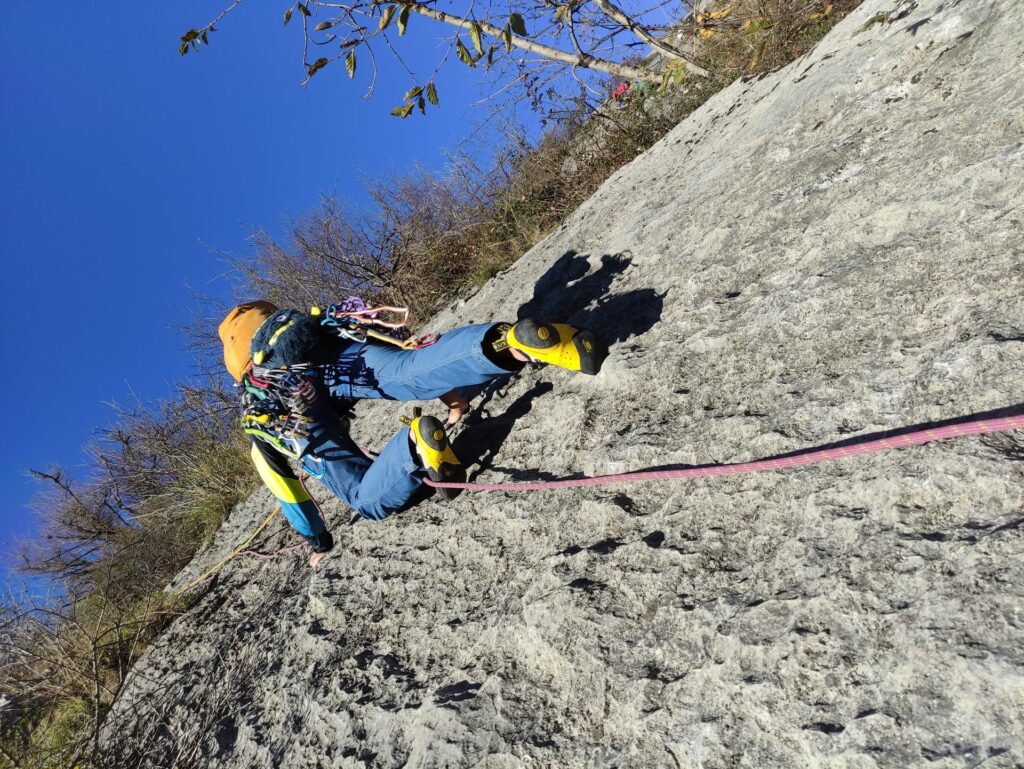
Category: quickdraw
[354,319]
[275,405]
[286,433]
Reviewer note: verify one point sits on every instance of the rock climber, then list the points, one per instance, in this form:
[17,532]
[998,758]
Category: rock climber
[299,374]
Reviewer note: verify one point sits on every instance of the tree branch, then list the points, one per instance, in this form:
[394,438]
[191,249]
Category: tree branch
[579,60]
[619,16]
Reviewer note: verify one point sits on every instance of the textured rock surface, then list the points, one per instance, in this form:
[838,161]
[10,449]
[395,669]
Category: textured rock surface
[830,251]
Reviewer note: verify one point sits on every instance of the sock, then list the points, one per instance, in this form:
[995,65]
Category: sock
[502,358]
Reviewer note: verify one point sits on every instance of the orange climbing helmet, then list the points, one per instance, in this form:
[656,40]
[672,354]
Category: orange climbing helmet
[236,332]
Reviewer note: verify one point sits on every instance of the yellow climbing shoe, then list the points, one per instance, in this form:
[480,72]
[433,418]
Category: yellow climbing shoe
[434,452]
[558,344]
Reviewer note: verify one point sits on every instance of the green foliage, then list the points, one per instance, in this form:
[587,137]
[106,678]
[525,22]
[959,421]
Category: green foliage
[517,25]
[745,37]
[463,53]
[878,18]
[64,725]
[474,36]
[191,39]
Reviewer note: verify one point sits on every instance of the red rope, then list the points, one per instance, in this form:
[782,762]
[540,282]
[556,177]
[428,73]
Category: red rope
[915,438]
[267,556]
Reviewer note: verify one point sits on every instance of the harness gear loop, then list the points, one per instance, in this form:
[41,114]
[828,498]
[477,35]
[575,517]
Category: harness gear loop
[356,320]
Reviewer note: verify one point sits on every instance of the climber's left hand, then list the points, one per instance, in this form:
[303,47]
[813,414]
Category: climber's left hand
[457,406]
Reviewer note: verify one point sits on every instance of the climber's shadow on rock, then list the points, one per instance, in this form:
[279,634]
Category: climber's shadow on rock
[570,292]
[484,433]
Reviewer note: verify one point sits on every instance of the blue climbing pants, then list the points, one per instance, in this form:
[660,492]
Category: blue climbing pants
[376,488]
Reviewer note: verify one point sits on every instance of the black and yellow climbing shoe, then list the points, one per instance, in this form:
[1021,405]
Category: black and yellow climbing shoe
[558,344]
[434,452]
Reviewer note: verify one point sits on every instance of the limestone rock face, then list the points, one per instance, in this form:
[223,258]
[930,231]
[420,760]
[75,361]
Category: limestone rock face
[830,251]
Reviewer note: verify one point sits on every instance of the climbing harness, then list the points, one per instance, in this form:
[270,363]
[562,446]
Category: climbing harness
[914,438]
[276,401]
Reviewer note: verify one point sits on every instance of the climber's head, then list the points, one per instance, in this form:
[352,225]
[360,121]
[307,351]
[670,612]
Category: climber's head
[236,333]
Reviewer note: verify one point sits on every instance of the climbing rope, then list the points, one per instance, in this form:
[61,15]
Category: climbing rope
[915,438]
[237,551]
[266,556]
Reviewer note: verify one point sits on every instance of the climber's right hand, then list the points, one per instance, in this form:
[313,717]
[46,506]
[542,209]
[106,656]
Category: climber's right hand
[314,560]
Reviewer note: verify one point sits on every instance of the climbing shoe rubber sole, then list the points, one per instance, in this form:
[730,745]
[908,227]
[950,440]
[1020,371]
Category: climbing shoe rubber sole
[435,454]
[559,345]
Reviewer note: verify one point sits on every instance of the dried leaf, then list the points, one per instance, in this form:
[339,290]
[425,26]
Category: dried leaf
[474,35]
[432,93]
[322,26]
[303,9]
[464,55]
[385,19]
[823,13]
[412,93]
[403,19]
[506,35]
[316,66]
[287,16]
[350,63]
[403,111]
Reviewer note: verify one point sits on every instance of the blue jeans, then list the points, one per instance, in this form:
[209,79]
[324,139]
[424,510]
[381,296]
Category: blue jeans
[376,488]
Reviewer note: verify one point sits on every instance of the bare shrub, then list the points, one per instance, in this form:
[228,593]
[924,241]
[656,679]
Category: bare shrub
[747,37]
[64,661]
[164,480]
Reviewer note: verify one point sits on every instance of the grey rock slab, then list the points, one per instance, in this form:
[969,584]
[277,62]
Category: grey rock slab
[829,251]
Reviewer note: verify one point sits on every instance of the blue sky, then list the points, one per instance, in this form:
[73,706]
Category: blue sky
[124,164]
